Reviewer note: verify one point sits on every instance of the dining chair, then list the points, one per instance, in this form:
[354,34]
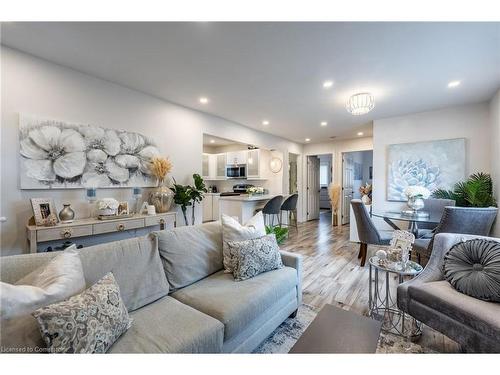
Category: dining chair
[290,207]
[368,234]
[435,207]
[463,220]
[273,209]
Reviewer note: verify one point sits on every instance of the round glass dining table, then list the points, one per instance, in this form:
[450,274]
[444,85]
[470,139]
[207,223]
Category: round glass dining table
[391,216]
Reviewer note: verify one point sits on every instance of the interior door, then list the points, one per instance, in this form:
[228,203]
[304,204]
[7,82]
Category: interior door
[313,189]
[347,186]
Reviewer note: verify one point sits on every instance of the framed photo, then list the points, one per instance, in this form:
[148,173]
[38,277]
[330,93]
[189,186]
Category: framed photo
[123,208]
[44,210]
[402,240]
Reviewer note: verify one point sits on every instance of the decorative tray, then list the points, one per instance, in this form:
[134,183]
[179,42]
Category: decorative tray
[114,217]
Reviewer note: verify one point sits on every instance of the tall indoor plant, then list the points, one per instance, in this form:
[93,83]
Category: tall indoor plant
[197,192]
[476,191]
[187,195]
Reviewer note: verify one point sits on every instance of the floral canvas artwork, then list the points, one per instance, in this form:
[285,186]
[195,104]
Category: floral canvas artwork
[58,155]
[433,165]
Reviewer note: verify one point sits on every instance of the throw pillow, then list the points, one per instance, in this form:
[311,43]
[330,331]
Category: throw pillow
[89,322]
[473,268]
[59,279]
[252,257]
[232,230]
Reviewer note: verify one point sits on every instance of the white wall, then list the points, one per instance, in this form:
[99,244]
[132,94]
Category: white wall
[34,86]
[470,122]
[495,152]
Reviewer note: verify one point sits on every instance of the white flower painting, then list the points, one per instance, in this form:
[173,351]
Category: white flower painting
[56,154]
[433,165]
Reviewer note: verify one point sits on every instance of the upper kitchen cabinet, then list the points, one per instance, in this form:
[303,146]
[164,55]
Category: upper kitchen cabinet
[236,157]
[257,161]
[205,170]
[210,167]
[221,163]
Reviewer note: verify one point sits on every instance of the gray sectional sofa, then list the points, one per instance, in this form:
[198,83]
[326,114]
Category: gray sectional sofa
[177,293]
[473,323]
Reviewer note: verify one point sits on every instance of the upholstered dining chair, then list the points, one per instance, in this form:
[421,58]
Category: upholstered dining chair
[436,208]
[464,220]
[368,234]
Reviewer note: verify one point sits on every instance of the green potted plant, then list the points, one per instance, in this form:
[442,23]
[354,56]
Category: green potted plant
[187,195]
[197,192]
[476,191]
[281,233]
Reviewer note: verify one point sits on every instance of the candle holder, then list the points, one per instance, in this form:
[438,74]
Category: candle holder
[91,197]
[137,194]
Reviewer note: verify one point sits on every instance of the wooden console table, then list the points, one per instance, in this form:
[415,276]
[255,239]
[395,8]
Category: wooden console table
[92,226]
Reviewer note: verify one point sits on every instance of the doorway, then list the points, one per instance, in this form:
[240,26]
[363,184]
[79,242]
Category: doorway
[357,170]
[319,177]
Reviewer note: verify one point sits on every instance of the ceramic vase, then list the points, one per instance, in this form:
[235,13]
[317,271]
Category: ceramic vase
[66,215]
[162,198]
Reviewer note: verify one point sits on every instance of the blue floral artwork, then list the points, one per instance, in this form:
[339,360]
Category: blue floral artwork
[434,165]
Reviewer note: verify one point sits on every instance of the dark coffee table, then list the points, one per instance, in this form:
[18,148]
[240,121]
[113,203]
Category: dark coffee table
[335,330]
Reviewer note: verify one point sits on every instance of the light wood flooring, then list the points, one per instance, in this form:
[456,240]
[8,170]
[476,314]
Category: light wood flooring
[332,274]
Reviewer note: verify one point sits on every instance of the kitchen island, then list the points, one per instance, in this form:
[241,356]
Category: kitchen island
[243,206]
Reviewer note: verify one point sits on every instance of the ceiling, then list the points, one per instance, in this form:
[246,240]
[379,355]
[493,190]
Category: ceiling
[212,141]
[275,71]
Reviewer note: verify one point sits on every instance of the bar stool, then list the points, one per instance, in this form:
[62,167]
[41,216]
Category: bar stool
[290,207]
[273,208]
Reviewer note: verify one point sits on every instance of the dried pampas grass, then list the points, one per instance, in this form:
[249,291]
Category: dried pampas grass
[160,167]
[334,194]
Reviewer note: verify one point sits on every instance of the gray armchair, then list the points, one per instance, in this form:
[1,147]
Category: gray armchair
[466,220]
[436,208]
[429,298]
[367,232]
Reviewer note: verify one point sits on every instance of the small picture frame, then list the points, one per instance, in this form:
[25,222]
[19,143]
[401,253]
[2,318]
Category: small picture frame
[402,241]
[44,211]
[123,209]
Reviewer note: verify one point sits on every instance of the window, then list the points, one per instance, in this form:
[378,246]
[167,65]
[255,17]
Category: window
[323,175]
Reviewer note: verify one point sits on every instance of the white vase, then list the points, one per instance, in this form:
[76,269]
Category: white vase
[366,199]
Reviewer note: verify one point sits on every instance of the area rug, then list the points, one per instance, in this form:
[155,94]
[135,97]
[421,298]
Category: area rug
[287,334]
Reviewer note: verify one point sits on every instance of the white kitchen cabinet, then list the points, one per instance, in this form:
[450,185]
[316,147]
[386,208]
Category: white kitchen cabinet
[205,166]
[221,166]
[253,163]
[236,157]
[210,206]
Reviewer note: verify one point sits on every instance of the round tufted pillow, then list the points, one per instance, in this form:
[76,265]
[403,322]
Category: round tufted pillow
[473,268]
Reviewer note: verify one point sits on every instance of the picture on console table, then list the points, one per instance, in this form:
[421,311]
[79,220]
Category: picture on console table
[60,155]
[433,164]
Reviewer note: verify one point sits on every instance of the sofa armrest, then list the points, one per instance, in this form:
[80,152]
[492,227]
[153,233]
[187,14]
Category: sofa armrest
[294,261]
[433,271]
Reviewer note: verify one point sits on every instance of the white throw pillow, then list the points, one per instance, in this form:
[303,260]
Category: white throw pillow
[232,230]
[56,281]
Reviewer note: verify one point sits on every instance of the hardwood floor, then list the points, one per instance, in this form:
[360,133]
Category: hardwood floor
[332,273]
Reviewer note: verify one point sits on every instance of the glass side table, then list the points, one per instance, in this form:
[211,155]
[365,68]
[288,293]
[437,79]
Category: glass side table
[382,296]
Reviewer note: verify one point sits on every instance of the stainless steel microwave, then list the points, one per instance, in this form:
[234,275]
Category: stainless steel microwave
[236,171]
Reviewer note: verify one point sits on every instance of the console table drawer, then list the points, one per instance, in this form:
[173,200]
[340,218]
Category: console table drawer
[118,226]
[64,233]
[168,221]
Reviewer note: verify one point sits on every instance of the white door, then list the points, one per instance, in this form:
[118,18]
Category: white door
[312,188]
[347,184]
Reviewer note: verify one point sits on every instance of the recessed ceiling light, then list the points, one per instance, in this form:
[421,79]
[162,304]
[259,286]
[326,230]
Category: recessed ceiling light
[308,139]
[327,84]
[360,133]
[265,122]
[212,141]
[453,84]
[203,100]
[324,123]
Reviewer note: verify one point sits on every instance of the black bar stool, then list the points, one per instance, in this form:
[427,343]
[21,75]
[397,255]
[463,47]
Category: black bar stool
[273,208]
[290,207]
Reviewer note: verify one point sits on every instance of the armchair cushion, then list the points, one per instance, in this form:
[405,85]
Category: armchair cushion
[442,297]
[473,268]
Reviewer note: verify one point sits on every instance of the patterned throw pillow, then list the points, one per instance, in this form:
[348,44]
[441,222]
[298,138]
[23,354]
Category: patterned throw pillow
[89,322]
[255,256]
